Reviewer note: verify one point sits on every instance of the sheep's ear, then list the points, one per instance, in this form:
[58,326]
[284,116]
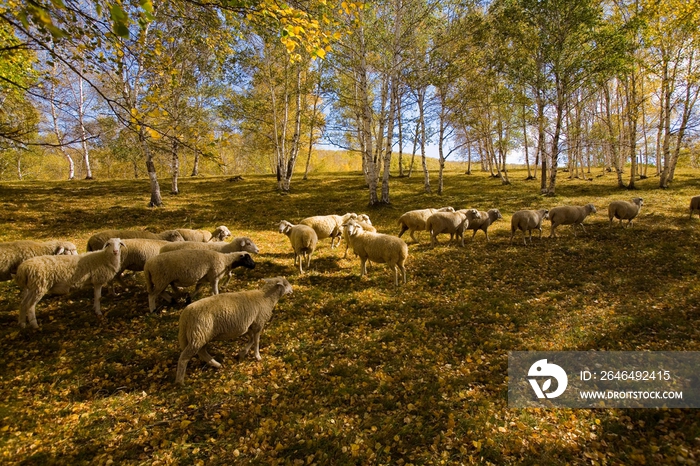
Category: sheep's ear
[243,243]
[59,250]
[121,243]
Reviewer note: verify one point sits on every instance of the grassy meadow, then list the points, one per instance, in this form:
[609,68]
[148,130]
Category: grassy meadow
[354,371]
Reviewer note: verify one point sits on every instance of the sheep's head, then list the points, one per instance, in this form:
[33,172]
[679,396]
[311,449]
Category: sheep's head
[446,209]
[114,246]
[592,208]
[364,218]
[639,201]
[352,228]
[280,283]
[545,214]
[349,216]
[171,235]
[284,227]
[473,214]
[66,248]
[221,233]
[247,244]
[243,259]
[495,214]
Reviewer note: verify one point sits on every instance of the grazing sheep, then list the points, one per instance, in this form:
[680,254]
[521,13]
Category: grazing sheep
[527,220]
[189,267]
[227,316]
[694,205]
[484,222]
[98,240]
[328,226]
[365,223]
[414,220]
[239,244]
[14,253]
[378,248]
[625,210]
[569,215]
[453,223]
[303,239]
[203,236]
[60,274]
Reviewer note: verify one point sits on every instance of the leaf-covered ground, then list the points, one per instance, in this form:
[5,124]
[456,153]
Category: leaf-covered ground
[354,371]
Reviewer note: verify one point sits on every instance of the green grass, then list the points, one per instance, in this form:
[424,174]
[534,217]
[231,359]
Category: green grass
[354,371]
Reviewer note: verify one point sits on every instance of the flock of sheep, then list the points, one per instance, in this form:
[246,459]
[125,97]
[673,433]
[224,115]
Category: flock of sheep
[183,258]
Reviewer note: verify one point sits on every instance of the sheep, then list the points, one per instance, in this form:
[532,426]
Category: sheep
[379,248]
[14,253]
[303,239]
[203,236]
[328,226]
[227,316]
[625,210]
[527,220]
[135,254]
[414,220]
[453,223]
[570,215]
[484,222]
[189,267]
[60,274]
[694,205]
[239,244]
[364,221]
[98,240]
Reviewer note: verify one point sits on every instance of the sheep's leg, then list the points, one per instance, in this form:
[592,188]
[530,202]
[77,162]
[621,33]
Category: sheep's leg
[412,233]
[553,233]
[256,337]
[540,228]
[308,259]
[363,266]
[512,234]
[185,357]
[486,232]
[301,260]
[208,358]
[27,308]
[403,271]
[253,338]
[98,295]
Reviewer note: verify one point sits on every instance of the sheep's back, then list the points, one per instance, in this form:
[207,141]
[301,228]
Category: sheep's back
[223,316]
[380,248]
[44,272]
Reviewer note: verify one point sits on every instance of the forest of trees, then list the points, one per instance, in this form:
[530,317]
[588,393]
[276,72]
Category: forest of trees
[155,89]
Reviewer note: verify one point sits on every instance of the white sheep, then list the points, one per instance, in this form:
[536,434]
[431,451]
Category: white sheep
[378,248]
[328,226]
[570,215]
[13,253]
[135,254]
[527,220]
[203,236]
[484,221]
[227,316]
[625,210]
[98,240]
[364,221]
[694,205]
[453,223]
[414,220]
[60,274]
[238,244]
[303,239]
[188,267]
